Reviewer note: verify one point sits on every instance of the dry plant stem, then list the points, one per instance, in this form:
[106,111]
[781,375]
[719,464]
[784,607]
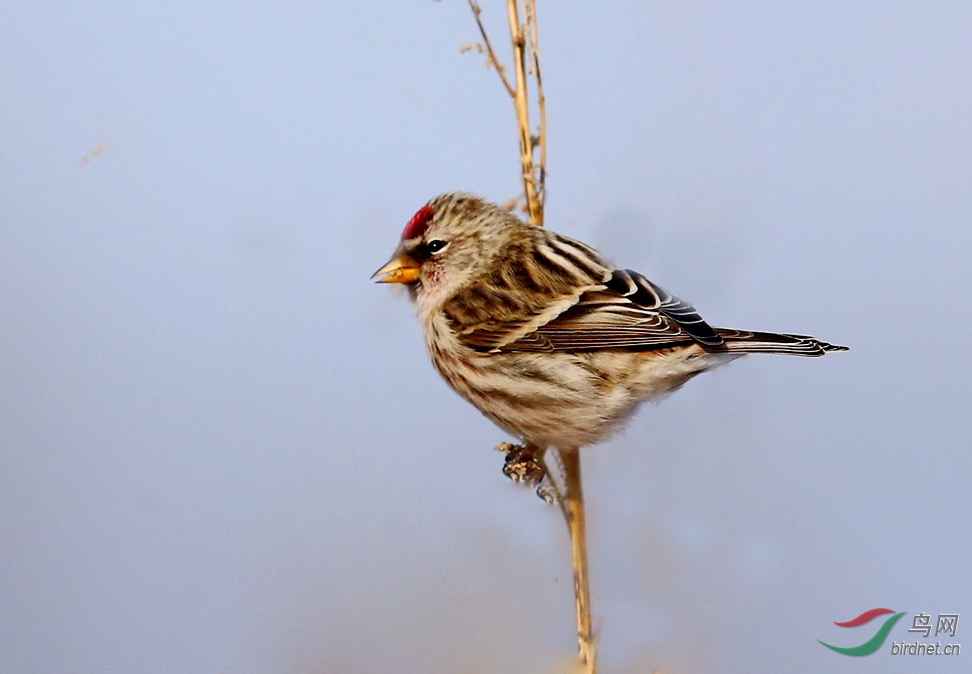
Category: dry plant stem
[476,10]
[530,10]
[576,524]
[524,38]
[518,37]
[570,495]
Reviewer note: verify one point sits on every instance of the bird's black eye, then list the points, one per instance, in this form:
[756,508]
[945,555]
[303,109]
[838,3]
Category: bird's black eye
[435,245]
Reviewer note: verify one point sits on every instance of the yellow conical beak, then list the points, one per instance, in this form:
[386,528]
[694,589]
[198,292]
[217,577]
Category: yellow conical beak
[400,269]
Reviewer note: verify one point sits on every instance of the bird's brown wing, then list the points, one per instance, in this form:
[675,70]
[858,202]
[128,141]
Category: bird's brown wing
[624,311]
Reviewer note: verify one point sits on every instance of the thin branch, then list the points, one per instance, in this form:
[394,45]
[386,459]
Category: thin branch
[567,482]
[530,10]
[523,114]
[476,10]
[576,523]
[524,38]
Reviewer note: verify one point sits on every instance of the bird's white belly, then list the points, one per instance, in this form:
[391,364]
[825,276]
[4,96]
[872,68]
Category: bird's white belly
[563,399]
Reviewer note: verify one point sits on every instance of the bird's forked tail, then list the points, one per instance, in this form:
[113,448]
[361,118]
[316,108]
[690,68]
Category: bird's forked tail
[744,341]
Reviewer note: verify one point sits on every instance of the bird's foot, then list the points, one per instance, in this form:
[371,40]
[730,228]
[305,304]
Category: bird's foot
[548,492]
[524,466]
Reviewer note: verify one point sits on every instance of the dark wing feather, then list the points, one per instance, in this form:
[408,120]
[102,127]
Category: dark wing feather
[648,296]
[627,312]
[538,277]
[551,293]
[622,311]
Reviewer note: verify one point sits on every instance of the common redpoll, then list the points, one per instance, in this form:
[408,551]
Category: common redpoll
[543,335]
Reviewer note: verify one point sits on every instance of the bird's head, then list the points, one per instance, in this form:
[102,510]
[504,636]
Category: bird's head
[448,243]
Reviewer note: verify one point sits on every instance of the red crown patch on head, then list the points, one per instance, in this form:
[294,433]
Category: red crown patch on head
[418,224]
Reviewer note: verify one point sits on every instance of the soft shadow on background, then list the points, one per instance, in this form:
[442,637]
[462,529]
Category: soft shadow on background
[222,448]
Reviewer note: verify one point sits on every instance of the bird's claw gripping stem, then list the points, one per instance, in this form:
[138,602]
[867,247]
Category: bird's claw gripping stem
[524,465]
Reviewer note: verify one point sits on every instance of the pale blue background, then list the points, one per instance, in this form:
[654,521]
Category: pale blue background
[222,449]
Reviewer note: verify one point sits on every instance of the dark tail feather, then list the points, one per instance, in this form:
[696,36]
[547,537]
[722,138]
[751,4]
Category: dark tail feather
[742,341]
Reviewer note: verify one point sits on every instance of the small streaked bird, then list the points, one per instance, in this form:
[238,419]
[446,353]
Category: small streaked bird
[542,334]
